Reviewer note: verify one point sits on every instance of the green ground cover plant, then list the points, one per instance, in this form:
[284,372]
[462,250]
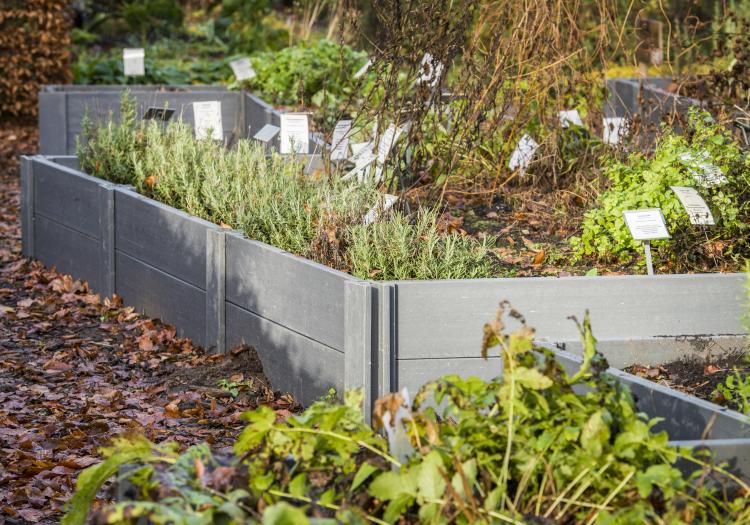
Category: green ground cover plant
[311,74]
[643,181]
[271,200]
[535,446]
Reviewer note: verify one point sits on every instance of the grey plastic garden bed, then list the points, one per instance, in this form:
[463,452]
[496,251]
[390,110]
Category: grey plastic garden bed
[316,328]
[648,99]
[62,109]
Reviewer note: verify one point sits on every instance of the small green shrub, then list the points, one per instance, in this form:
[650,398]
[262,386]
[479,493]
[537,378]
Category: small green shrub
[317,75]
[537,446]
[273,201]
[400,249]
[644,182]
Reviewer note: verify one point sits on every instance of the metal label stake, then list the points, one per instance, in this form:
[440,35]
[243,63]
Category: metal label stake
[649,262]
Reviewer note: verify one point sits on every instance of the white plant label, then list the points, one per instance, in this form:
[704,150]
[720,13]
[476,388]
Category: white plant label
[522,155]
[208,120]
[133,62]
[340,140]
[705,173]
[266,133]
[569,117]
[386,203]
[295,133]
[647,224]
[242,68]
[694,205]
[362,157]
[430,70]
[614,130]
[363,69]
[387,140]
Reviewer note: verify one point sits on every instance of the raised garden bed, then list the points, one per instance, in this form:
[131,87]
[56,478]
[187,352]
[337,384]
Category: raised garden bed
[648,99]
[316,328]
[63,108]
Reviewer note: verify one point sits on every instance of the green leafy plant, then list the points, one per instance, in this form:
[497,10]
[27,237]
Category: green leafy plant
[644,182]
[535,446]
[233,387]
[319,75]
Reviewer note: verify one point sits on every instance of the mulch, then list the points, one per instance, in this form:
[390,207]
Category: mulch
[77,369]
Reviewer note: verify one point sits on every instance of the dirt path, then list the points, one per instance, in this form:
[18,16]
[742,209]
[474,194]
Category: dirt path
[76,371]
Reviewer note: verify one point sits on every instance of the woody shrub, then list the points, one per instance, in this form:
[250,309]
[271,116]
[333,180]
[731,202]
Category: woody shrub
[34,38]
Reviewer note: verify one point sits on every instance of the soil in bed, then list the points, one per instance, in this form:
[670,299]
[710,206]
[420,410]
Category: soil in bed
[697,377]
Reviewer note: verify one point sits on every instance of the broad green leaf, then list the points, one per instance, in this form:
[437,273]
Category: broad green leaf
[364,472]
[284,514]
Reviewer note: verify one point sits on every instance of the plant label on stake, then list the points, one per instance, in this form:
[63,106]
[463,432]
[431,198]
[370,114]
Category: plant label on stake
[363,69]
[208,120]
[569,117]
[340,140]
[522,155]
[163,114]
[705,173]
[133,62]
[430,70]
[243,69]
[614,130]
[362,157]
[694,205]
[646,225]
[384,205]
[295,133]
[267,133]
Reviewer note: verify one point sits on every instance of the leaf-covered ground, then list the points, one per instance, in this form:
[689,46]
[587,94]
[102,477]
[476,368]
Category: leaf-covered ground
[77,370]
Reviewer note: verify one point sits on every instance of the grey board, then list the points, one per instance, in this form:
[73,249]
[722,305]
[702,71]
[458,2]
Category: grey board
[69,251]
[162,236]
[161,295]
[445,318]
[292,362]
[67,196]
[413,373]
[646,99]
[305,296]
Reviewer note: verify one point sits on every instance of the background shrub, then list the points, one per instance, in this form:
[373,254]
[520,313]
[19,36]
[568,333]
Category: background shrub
[34,44]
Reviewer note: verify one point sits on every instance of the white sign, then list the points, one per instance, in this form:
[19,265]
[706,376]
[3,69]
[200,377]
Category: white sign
[243,69]
[266,133]
[295,133]
[389,138]
[614,130]
[522,155]
[569,117]
[363,69]
[430,70]
[705,173]
[386,203]
[208,120]
[647,224]
[694,205]
[362,157]
[133,62]
[340,140]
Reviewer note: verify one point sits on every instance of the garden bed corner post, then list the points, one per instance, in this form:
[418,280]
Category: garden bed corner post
[358,340]
[107,228]
[27,205]
[216,290]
